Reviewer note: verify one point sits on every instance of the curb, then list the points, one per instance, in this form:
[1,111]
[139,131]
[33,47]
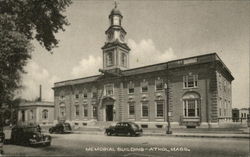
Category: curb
[172,135]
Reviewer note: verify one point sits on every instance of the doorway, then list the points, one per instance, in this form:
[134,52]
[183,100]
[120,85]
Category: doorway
[109,112]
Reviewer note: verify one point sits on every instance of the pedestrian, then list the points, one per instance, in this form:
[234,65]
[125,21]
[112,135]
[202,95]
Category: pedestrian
[39,128]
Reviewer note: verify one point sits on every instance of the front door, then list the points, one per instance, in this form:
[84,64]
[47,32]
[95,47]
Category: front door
[109,113]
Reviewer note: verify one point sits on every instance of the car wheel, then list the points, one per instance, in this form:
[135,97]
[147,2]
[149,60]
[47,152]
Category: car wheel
[131,133]
[109,133]
[50,131]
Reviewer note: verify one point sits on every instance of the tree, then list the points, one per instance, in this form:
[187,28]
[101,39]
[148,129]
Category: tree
[20,22]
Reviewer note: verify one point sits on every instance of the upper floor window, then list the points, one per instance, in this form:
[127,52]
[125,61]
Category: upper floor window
[61,97]
[190,81]
[110,59]
[159,84]
[45,114]
[77,96]
[225,86]
[131,89]
[94,94]
[124,59]
[109,89]
[85,95]
[144,86]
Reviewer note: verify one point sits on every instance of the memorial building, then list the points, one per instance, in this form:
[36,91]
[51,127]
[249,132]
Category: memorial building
[197,90]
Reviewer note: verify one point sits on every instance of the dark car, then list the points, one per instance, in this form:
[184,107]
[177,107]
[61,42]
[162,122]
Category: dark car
[61,128]
[29,135]
[124,128]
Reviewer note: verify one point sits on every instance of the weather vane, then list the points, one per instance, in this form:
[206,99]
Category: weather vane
[116,4]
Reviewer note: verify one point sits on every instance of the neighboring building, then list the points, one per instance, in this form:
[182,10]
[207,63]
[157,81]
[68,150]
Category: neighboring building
[36,112]
[240,115]
[243,114]
[235,115]
[199,89]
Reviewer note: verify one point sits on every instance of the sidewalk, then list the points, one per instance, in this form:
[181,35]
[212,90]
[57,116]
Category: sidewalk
[201,133]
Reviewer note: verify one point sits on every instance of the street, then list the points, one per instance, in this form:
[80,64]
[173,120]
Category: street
[102,145]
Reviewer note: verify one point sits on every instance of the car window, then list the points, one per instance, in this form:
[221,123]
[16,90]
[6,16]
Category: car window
[30,129]
[135,126]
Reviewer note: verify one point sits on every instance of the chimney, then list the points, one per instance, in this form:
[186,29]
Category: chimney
[40,93]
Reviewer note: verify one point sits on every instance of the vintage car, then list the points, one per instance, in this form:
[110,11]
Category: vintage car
[29,135]
[124,128]
[61,128]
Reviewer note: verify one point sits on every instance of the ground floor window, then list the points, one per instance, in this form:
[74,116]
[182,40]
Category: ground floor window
[144,109]
[191,108]
[95,111]
[159,109]
[45,114]
[131,109]
[85,111]
[62,110]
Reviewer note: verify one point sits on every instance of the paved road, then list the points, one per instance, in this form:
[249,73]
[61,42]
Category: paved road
[101,145]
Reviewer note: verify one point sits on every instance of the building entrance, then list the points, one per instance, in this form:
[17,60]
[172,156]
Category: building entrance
[109,112]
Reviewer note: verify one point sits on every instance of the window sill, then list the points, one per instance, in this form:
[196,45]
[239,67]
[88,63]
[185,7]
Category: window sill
[159,91]
[190,88]
[161,119]
[144,118]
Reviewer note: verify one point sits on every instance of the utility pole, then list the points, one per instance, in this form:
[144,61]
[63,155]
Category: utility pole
[168,112]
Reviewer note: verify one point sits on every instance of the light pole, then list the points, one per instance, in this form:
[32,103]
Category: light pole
[168,112]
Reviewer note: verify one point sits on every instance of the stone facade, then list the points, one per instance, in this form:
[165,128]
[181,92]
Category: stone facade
[36,112]
[196,89]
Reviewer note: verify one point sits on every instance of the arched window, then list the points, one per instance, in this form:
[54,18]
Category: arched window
[45,114]
[191,104]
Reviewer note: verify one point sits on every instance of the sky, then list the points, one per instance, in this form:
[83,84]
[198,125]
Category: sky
[157,31]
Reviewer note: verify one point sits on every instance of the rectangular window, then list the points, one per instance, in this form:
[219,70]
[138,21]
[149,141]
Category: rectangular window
[190,81]
[131,89]
[77,110]
[95,111]
[144,86]
[131,109]
[109,89]
[159,85]
[159,109]
[191,108]
[144,109]
[85,111]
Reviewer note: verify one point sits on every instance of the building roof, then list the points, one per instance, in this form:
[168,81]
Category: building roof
[36,103]
[115,11]
[212,57]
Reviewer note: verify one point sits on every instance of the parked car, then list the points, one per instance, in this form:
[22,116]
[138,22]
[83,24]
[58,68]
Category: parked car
[29,135]
[124,128]
[61,128]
